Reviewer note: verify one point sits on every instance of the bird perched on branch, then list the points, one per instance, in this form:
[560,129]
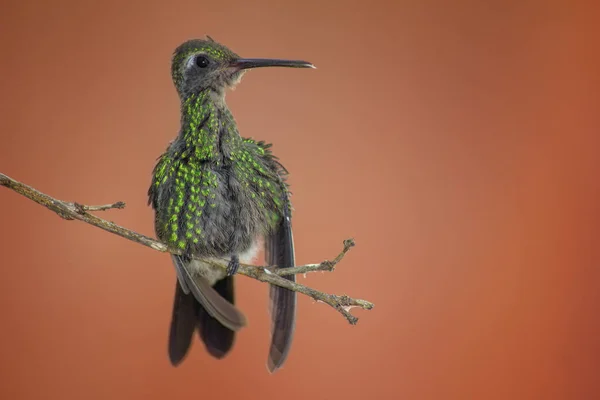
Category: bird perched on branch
[218,195]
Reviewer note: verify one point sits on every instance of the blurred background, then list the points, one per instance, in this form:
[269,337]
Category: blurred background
[457,143]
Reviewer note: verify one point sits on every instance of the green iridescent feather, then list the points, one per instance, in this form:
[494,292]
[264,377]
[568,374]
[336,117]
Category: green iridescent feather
[189,173]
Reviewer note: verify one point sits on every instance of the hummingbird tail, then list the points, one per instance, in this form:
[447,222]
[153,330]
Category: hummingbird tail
[183,323]
[189,314]
[209,308]
[208,297]
[217,338]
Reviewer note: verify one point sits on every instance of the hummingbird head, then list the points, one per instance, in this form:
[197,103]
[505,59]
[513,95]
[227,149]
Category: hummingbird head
[205,64]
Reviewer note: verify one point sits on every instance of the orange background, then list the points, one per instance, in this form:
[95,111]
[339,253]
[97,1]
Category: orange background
[457,144]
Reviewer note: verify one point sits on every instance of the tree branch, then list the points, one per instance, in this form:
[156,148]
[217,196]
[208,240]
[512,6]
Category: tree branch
[268,274]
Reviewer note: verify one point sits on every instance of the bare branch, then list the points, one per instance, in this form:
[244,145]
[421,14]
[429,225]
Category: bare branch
[268,274]
[326,265]
[82,208]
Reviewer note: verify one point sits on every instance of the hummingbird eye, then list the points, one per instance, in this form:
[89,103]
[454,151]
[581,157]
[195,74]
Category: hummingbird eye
[202,61]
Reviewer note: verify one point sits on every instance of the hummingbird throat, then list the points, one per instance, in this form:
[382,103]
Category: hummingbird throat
[208,128]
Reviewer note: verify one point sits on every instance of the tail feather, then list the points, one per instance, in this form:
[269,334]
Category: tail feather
[217,338]
[209,308]
[183,323]
[212,301]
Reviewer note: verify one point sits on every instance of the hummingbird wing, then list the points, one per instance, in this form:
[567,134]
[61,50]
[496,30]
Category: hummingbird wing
[279,249]
[180,271]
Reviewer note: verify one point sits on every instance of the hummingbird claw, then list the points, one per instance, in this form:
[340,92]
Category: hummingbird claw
[233,266]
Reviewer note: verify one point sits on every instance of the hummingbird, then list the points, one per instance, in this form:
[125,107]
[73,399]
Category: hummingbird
[219,196]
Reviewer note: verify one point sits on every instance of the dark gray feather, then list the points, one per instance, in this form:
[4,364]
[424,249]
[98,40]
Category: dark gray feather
[183,323]
[279,248]
[217,338]
[214,304]
[179,270]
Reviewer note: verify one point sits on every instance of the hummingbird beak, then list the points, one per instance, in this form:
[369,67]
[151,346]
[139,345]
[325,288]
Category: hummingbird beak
[246,63]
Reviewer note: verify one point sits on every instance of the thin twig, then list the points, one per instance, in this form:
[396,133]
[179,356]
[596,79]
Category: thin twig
[82,208]
[268,274]
[326,265]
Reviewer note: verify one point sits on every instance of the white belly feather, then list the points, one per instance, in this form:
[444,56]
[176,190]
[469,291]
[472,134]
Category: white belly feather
[212,273]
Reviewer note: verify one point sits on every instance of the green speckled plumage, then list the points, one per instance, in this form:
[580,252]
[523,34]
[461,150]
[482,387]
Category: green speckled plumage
[216,194]
[210,140]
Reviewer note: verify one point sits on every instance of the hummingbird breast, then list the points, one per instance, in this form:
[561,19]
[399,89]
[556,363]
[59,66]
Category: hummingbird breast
[207,209]
[213,191]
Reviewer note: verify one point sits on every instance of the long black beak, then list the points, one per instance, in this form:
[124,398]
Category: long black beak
[245,63]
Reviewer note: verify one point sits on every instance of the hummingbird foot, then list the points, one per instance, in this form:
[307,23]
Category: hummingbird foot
[233,266]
